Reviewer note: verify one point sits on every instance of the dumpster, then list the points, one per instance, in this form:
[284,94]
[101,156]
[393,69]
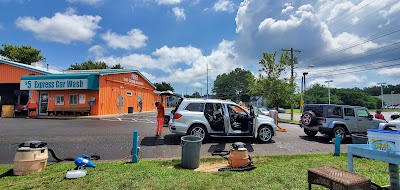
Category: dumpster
[31,157]
[190,152]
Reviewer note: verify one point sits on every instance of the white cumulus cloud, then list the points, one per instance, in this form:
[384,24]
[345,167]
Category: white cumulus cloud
[168,2]
[88,2]
[389,72]
[178,54]
[134,39]
[288,7]
[224,5]
[97,50]
[179,13]
[62,27]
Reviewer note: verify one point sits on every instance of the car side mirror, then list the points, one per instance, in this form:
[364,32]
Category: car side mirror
[371,117]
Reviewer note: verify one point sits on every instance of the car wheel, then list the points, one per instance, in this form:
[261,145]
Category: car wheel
[308,118]
[340,131]
[265,133]
[198,131]
[310,133]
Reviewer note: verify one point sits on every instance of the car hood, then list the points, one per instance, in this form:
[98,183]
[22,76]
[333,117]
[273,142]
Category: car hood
[264,118]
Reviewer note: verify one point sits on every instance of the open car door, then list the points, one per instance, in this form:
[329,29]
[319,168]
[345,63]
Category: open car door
[167,117]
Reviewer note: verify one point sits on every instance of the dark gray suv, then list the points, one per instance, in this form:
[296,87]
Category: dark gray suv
[335,120]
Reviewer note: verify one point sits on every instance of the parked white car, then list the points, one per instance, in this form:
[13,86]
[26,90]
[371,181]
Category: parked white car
[390,125]
[220,118]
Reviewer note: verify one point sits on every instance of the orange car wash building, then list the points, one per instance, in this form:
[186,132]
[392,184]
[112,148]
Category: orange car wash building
[10,76]
[97,92]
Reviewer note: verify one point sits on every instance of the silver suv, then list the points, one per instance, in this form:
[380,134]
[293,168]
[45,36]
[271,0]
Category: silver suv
[335,120]
[219,118]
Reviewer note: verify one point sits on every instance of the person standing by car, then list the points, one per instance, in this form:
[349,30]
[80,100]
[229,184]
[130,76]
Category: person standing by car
[379,115]
[31,104]
[160,119]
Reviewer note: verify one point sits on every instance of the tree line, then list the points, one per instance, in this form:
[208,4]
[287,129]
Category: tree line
[279,91]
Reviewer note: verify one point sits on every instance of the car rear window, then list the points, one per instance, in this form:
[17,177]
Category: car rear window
[318,110]
[335,112]
[196,107]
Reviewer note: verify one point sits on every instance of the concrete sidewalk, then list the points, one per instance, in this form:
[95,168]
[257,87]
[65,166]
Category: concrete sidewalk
[95,117]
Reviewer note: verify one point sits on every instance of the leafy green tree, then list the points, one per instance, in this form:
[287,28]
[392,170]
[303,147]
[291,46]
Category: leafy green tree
[277,91]
[194,95]
[234,85]
[318,94]
[22,54]
[163,86]
[387,89]
[88,65]
[117,66]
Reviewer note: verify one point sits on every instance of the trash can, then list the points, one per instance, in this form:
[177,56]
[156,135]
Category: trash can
[190,152]
[31,157]
[130,109]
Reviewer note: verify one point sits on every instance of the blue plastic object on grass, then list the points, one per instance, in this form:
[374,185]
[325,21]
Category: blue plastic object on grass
[84,161]
[338,140]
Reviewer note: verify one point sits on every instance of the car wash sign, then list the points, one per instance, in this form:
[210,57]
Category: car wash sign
[54,84]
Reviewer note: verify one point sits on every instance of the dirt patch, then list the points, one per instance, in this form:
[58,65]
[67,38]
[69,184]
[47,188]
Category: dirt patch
[211,166]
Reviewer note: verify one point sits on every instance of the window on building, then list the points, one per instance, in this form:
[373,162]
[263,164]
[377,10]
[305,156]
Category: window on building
[59,99]
[128,93]
[73,99]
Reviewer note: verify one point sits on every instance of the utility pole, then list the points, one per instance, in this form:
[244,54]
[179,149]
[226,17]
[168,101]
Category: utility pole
[291,74]
[329,91]
[207,80]
[201,92]
[382,83]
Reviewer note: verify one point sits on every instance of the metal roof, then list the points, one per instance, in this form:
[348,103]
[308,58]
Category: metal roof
[108,72]
[28,67]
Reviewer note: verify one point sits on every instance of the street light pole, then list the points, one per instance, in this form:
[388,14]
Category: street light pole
[392,96]
[329,91]
[382,83]
[207,79]
[304,86]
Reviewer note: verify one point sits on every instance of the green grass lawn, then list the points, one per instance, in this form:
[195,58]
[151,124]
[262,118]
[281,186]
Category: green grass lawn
[272,172]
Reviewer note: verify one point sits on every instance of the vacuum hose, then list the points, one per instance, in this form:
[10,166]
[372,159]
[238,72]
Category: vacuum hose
[53,153]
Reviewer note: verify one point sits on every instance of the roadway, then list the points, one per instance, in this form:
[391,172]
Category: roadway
[111,138]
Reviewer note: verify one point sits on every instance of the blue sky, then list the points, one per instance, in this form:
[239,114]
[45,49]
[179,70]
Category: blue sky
[354,43]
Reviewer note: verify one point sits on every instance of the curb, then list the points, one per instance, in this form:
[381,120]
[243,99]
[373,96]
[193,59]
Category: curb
[89,117]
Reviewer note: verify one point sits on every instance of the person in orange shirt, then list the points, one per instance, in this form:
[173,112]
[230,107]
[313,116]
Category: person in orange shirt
[160,120]
[31,104]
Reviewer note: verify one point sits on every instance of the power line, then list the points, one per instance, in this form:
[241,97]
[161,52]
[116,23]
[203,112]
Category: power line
[337,60]
[360,70]
[357,43]
[352,24]
[338,15]
[352,12]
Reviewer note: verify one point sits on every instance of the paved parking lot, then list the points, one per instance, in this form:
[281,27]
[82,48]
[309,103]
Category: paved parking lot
[111,138]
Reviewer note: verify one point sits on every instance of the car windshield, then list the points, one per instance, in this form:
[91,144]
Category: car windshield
[263,109]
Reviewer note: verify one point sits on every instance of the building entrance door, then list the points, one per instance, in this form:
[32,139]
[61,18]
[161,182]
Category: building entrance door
[43,103]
